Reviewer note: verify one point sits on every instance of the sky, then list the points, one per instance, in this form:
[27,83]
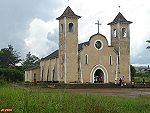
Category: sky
[31,25]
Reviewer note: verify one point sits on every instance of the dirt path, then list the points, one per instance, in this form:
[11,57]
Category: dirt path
[112,91]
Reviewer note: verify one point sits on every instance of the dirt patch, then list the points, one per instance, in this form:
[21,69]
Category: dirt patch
[112,92]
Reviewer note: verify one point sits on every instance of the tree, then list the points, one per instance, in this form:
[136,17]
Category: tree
[133,71]
[148,47]
[11,75]
[9,57]
[30,61]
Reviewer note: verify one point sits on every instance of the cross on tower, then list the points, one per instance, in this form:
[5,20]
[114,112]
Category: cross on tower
[68,2]
[98,24]
[119,7]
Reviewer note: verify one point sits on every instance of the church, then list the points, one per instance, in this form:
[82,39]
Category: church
[93,61]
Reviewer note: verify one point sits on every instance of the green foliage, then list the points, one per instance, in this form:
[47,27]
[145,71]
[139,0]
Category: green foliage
[147,74]
[23,100]
[9,57]
[2,81]
[8,71]
[140,79]
[133,72]
[148,47]
[30,61]
[11,75]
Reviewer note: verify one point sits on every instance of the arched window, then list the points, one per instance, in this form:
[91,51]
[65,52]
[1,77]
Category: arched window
[27,77]
[115,33]
[71,27]
[61,28]
[42,72]
[34,75]
[34,78]
[86,59]
[53,77]
[110,60]
[124,32]
[48,74]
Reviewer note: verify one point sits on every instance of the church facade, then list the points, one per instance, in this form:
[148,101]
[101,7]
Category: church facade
[93,61]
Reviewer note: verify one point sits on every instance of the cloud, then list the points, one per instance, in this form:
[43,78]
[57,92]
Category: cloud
[16,16]
[136,11]
[30,25]
[42,37]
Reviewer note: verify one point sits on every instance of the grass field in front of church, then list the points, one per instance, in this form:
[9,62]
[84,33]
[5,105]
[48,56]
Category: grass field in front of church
[38,100]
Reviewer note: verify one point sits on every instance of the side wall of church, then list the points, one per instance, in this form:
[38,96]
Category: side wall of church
[49,69]
[30,75]
[36,74]
[98,57]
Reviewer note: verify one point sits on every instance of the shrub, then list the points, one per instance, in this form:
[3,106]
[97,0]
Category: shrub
[11,75]
[2,82]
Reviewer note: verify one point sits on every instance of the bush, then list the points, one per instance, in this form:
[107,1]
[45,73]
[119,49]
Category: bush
[11,75]
[140,79]
[147,74]
[2,82]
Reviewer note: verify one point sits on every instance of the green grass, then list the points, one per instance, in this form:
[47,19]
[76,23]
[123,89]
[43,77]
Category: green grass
[37,100]
[140,79]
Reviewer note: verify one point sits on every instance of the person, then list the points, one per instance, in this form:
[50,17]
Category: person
[132,83]
[143,81]
[120,82]
[115,81]
[123,79]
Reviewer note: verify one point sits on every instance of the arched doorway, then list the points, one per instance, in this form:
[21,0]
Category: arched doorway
[98,76]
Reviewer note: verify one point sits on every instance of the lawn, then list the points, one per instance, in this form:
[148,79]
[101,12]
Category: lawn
[37,100]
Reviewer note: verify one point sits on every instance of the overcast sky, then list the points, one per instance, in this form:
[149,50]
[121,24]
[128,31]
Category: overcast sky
[31,25]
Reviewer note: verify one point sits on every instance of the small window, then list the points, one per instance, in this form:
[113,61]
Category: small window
[124,32]
[71,27]
[86,59]
[110,60]
[42,72]
[98,45]
[34,75]
[61,28]
[118,60]
[115,33]
[53,77]
[47,73]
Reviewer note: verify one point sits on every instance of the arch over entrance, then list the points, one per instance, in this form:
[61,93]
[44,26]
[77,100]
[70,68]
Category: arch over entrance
[99,74]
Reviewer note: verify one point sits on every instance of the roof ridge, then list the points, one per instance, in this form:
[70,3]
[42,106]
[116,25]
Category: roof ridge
[120,19]
[68,13]
[55,53]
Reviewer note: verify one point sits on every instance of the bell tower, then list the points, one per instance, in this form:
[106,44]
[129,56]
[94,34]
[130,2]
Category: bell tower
[120,40]
[68,46]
